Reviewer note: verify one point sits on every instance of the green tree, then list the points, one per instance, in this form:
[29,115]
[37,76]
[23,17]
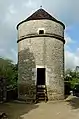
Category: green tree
[72,77]
[9,71]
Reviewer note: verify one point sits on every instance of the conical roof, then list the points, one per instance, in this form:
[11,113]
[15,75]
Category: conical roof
[39,15]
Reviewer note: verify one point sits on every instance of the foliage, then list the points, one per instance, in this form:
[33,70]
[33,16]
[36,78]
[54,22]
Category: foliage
[9,71]
[72,77]
[74,82]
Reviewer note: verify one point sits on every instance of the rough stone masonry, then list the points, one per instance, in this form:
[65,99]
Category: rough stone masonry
[41,45]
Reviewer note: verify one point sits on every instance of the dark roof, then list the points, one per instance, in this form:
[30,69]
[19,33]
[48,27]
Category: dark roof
[39,15]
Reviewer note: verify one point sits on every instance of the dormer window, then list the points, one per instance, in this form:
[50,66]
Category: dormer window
[41,31]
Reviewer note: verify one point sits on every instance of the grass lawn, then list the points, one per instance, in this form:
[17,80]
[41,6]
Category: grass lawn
[15,110]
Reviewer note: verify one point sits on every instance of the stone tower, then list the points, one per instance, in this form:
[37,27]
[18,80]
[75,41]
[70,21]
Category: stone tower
[40,56]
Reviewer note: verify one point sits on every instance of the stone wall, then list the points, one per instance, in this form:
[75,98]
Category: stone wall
[30,54]
[32,27]
[46,52]
[43,51]
[55,62]
[26,85]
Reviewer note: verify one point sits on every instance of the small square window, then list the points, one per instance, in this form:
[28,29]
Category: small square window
[41,31]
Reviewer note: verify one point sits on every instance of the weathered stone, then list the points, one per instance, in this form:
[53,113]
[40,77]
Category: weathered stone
[45,50]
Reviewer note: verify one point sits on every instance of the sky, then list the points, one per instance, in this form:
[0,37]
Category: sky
[14,11]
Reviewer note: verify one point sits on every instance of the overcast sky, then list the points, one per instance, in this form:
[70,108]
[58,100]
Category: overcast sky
[14,11]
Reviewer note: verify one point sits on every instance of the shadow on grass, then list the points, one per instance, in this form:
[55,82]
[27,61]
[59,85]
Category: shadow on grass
[15,110]
[74,102]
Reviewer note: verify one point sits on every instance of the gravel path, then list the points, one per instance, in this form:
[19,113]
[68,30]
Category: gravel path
[60,110]
[67,109]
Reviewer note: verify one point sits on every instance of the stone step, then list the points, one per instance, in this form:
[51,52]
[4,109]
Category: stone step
[40,92]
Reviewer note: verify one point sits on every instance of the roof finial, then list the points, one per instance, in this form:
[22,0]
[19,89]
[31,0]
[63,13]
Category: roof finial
[41,7]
